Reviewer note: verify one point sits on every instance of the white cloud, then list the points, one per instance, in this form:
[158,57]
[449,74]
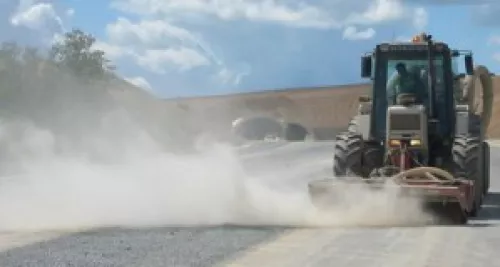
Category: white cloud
[113,51]
[70,12]
[156,60]
[494,40]
[227,76]
[333,14]
[160,47]
[302,15]
[496,56]
[155,45]
[147,32]
[39,16]
[36,16]
[140,82]
[184,58]
[379,11]
[352,33]
[420,18]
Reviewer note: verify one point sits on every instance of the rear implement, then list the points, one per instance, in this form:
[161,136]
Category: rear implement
[450,199]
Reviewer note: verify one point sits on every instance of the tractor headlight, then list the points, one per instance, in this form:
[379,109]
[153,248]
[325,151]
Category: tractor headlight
[397,143]
[394,142]
[415,142]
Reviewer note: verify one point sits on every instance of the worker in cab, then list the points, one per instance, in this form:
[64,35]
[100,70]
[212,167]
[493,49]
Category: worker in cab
[405,82]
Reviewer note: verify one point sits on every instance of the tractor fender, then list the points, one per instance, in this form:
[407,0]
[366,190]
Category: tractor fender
[484,105]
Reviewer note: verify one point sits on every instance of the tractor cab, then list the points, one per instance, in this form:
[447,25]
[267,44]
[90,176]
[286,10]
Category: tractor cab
[420,72]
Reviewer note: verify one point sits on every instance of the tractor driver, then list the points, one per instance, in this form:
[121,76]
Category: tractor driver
[405,82]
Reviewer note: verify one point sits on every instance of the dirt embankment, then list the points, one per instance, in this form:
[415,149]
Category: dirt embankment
[318,109]
[494,129]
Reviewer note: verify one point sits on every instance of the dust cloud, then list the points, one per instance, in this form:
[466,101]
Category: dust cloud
[360,205]
[119,176]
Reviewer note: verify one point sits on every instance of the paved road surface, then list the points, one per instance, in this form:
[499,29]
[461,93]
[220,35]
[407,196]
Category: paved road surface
[475,245]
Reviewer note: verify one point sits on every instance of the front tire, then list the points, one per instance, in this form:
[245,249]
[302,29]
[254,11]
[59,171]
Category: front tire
[347,159]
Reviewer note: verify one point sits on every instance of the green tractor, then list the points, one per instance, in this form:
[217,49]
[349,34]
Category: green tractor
[419,127]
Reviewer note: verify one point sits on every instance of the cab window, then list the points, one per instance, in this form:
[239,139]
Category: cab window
[418,68]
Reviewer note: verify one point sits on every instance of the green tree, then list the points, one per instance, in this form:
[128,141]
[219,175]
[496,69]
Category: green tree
[76,53]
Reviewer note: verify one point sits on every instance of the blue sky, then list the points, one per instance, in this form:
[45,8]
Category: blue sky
[201,47]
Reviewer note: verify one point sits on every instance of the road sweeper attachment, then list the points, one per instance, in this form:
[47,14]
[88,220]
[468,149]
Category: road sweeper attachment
[419,131]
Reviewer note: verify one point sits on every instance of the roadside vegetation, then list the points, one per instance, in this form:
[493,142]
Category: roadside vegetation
[48,87]
[72,91]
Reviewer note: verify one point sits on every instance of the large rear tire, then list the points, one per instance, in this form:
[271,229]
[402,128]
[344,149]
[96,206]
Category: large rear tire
[466,153]
[476,129]
[348,155]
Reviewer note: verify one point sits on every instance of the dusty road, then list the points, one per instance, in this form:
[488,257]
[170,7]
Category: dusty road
[476,244]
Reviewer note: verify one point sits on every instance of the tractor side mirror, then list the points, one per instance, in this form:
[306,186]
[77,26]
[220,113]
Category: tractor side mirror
[469,65]
[366,67]
[364,99]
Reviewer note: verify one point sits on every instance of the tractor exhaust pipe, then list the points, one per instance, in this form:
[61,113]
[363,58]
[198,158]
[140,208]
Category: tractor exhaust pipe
[430,75]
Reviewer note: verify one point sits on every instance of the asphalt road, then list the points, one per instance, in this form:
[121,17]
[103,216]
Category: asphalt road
[476,244]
